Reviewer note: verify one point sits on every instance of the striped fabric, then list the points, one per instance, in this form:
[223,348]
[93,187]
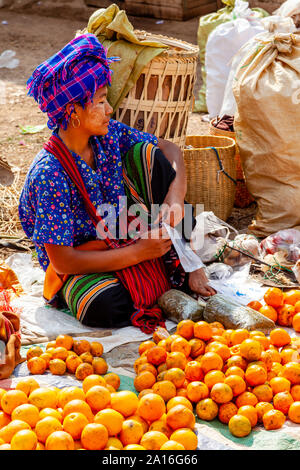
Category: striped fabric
[146,281]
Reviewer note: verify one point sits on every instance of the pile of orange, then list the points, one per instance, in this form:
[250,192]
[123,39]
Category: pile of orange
[64,354]
[281,307]
[242,378]
[94,417]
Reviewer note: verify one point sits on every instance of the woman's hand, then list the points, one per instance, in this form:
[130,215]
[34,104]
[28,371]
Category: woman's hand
[198,282]
[153,244]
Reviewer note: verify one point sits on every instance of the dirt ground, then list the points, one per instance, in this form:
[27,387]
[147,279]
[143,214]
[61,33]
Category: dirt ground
[35,38]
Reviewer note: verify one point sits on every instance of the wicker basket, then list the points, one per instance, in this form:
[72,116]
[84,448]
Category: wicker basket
[161,99]
[242,196]
[207,183]
[179,10]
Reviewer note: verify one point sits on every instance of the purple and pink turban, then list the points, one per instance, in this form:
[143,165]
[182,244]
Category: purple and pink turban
[71,76]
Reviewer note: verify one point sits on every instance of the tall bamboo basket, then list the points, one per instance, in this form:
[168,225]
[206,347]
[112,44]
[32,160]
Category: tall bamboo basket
[242,196]
[162,97]
[211,174]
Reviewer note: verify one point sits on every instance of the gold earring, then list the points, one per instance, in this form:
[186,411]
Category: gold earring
[77,122]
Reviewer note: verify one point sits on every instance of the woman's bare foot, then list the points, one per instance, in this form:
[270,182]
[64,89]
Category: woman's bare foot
[198,283]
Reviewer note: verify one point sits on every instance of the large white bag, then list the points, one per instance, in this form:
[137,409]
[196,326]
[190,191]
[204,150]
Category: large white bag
[222,45]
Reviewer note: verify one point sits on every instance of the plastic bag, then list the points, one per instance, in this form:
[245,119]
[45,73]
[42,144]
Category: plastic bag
[218,271]
[289,8]
[242,242]
[222,45]
[178,306]
[287,241]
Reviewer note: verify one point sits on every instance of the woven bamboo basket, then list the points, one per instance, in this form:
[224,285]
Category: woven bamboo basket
[211,182]
[162,97]
[242,196]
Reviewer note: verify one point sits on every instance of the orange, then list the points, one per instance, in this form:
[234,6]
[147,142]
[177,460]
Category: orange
[112,379]
[4,419]
[87,357]
[236,361]
[28,413]
[80,346]
[217,326]
[98,397]
[296,321]
[197,347]
[36,365]
[185,437]
[141,421]
[67,394]
[92,380]
[94,436]
[175,375]
[273,419]
[34,351]
[57,366]
[267,358]
[172,445]
[297,306]
[263,392]
[279,337]
[292,297]
[289,355]
[282,401]
[74,424]
[255,305]
[235,370]
[249,412]
[219,348]
[197,391]
[251,349]
[156,355]
[269,312]
[202,330]
[111,419]
[213,377]
[151,368]
[151,407]
[11,399]
[207,409]
[161,368]
[263,340]
[115,442]
[50,412]
[125,402]
[46,426]
[131,432]
[47,358]
[185,328]
[43,397]
[239,426]
[165,388]
[144,380]
[60,353]
[96,349]
[227,335]
[153,440]
[145,345]
[11,429]
[144,392]
[246,398]
[99,365]
[64,341]
[27,385]
[226,411]
[221,393]
[80,406]
[211,361]
[270,356]
[60,440]
[134,447]
[72,362]
[85,369]
[161,376]
[179,401]
[180,417]
[176,359]
[236,383]
[218,339]
[181,345]
[291,371]
[285,315]
[181,392]
[274,297]
[238,336]
[255,375]
[193,371]
[262,407]
[24,440]
[160,334]
[294,412]
[51,344]
[295,392]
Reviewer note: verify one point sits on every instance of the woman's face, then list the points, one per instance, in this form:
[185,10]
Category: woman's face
[95,116]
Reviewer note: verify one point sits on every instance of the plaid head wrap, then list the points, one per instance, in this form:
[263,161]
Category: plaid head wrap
[72,75]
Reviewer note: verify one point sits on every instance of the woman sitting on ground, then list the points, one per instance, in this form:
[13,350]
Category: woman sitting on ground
[114,163]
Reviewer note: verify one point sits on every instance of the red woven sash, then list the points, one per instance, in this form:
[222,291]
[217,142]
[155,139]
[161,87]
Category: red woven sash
[145,281]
